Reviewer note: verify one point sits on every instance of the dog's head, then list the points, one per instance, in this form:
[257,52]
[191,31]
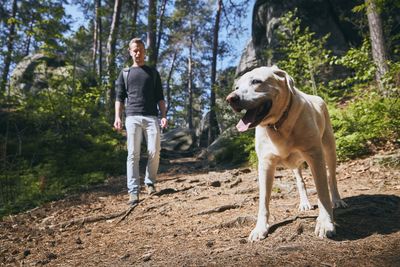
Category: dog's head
[262,92]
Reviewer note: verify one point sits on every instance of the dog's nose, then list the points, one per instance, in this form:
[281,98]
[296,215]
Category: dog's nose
[232,98]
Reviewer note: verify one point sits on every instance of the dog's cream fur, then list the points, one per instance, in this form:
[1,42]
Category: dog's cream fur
[304,133]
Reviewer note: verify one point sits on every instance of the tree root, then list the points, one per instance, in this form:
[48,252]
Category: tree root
[235,183]
[131,208]
[219,209]
[242,220]
[96,218]
[275,226]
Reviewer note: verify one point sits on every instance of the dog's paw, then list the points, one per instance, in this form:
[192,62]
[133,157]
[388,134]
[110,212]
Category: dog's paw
[338,203]
[324,228]
[258,233]
[305,205]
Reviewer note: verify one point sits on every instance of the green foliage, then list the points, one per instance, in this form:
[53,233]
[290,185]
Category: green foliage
[303,56]
[225,115]
[40,25]
[57,143]
[367,120]
[391,80]
[238,149]
[359,61]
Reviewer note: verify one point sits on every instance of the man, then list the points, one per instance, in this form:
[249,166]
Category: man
[140,88]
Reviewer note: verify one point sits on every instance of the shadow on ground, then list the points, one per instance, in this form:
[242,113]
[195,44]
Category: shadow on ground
[368,215]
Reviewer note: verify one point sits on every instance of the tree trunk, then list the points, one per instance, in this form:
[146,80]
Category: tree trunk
[190,88]
[377,42]
[10,48]
[134,17]
[29,39]
[312,77]
[111,43]
[160,29]
[96,20]
[169,81]
[213,131]
[100,49]
[151,32]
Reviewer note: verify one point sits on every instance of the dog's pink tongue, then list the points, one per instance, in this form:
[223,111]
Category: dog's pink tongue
[242,126]
[247,120]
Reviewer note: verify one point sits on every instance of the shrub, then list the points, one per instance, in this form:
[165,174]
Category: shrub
[359,62]
[57,142]
[303,56]
[367,119]
[237,149]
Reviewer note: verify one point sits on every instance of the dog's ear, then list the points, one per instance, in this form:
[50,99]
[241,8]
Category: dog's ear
[283,75]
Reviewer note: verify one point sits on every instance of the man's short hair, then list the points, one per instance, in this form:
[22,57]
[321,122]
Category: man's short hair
[137,41]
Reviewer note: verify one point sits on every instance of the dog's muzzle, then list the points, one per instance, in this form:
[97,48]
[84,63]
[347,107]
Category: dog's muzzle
[234,100]
[253,116]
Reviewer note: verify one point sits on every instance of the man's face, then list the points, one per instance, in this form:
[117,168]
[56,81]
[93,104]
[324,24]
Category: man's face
[137,52]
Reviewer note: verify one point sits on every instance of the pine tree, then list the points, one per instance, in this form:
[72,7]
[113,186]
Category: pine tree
[213,130]
[111,46]
[377,42]
[10,46]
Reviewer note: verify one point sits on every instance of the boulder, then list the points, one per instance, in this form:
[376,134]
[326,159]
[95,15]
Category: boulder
[248,60]
[218,147]
[33,72]
[178,140]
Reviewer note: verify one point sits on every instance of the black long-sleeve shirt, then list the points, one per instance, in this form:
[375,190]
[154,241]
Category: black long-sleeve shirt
[143,93]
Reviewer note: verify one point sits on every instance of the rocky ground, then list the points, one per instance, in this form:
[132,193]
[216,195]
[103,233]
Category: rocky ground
[203,216]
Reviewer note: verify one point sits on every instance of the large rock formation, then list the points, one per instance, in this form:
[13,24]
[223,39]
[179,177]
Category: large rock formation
[178,141]
[34,72]
[320,16]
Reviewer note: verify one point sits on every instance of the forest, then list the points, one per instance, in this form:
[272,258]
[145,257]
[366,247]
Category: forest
[57,85]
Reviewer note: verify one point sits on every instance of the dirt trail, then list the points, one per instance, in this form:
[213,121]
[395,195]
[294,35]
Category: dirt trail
[202,217]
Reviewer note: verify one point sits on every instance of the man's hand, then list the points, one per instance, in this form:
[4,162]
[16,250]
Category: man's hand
[164,123]
[118,124]
[163,110]
[118,112]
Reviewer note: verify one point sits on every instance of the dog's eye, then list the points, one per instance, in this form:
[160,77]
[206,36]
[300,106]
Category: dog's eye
[255,81]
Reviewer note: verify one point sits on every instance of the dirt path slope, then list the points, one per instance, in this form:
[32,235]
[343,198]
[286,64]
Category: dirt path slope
[203,217]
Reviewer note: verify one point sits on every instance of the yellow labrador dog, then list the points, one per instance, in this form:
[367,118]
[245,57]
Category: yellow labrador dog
[291,127]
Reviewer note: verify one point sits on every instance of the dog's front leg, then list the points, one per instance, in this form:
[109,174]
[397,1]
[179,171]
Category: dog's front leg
[265,181]
[325,226]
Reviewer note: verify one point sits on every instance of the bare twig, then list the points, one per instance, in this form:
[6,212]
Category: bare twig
[131,208]
[168,191]
[96,218]
[235,183]
[90,219]
[219,209]
[124,214]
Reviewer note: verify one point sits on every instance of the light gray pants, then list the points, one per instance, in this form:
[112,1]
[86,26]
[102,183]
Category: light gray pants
[135,127]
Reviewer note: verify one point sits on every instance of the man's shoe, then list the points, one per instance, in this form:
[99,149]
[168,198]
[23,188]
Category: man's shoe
[133,199]
[150,189]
